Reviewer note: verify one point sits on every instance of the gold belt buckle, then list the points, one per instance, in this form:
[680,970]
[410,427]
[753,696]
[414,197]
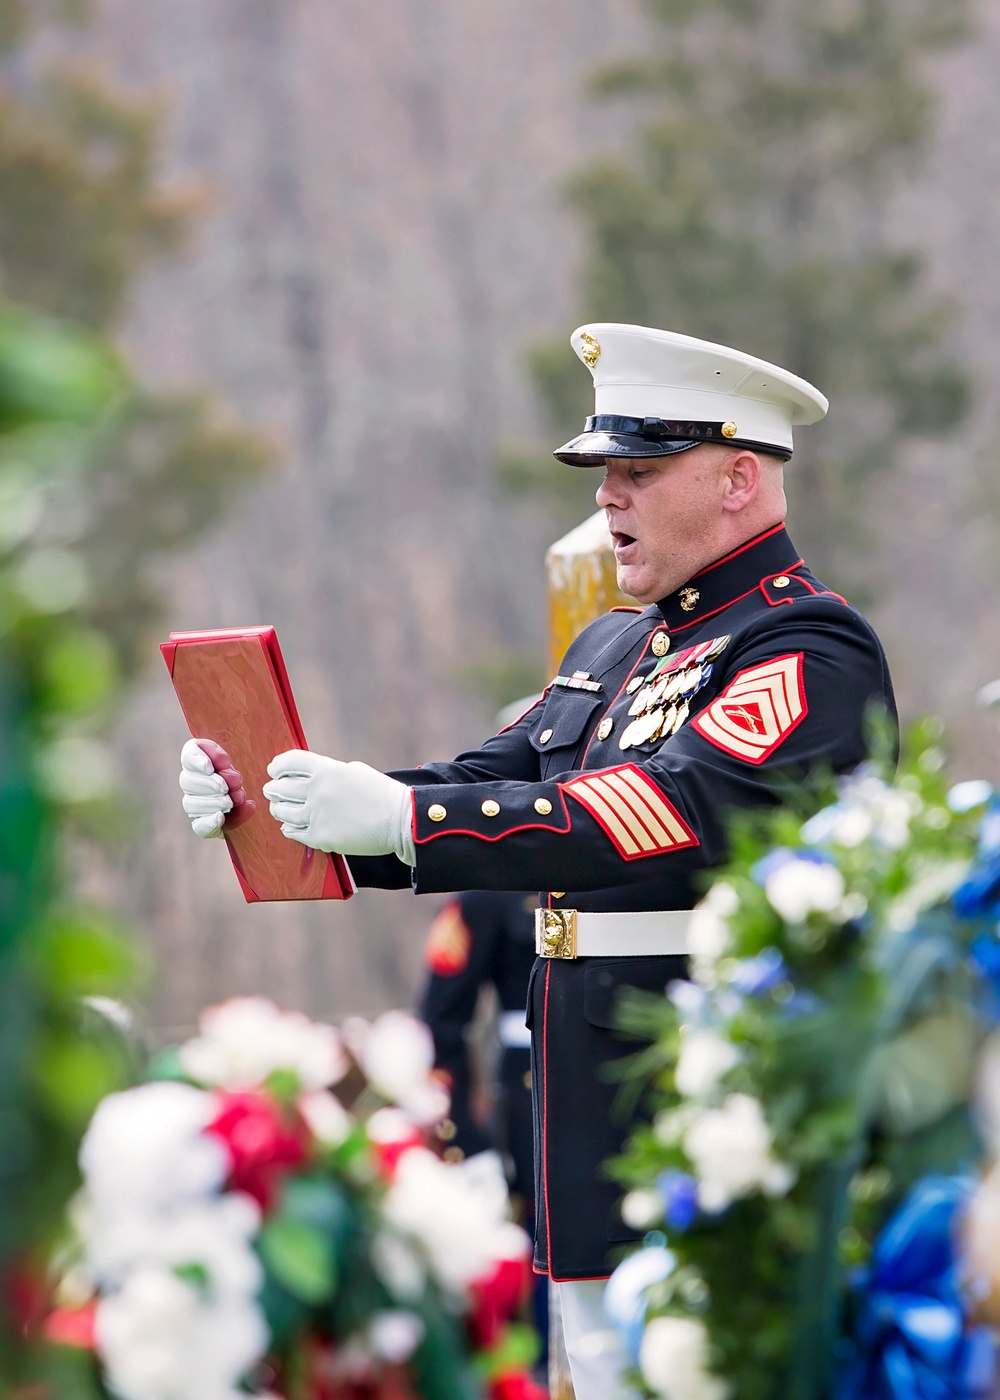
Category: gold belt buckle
[555,933]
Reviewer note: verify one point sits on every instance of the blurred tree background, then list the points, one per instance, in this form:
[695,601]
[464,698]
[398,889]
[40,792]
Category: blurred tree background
[355,222]
[752,210]
[101,478]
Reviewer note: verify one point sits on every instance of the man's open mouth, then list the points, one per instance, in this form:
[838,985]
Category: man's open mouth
[621,540]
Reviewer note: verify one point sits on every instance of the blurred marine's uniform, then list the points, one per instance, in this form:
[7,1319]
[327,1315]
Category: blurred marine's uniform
[485,938]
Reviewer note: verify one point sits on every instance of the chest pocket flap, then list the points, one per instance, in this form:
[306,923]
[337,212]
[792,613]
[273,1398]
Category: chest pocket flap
[564,719]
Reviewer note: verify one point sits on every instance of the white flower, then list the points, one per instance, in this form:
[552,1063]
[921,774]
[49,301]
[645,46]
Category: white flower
[730,1150]
[396,1053]
[160,1338]
[641,1210]
[705,1056]
[397,1265]
[708,932]
[890,809]
[245,1040]
[798,888]
[458,1212]
[326,1116]
[145,1150]
[625,1297]
[843,824]
[975,792]
[394,1334]
[673,1358]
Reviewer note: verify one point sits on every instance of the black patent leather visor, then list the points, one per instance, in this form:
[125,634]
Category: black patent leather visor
[611,435]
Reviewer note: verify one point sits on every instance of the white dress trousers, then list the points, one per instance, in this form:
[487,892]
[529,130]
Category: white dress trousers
[595,1351]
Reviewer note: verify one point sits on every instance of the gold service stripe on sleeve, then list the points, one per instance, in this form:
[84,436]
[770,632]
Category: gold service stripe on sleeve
[620,834]
[651,794]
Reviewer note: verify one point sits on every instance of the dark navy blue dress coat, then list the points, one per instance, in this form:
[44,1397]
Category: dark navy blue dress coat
[786,673]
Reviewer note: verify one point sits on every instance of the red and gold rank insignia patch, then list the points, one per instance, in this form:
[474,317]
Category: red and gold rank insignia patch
[633,811]
[449,942]
[757,710]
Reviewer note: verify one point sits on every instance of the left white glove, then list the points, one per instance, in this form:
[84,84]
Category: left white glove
[344,807]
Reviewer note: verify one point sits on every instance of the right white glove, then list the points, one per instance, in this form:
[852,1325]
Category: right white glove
[206,797]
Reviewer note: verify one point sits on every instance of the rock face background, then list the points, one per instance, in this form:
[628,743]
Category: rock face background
[382,240]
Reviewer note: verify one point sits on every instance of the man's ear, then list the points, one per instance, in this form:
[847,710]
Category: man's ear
[741,479]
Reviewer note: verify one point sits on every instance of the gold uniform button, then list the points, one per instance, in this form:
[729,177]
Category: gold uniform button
[545,736]
[526,1081]
[490,808]
[558,894]
[782,581]
[543,806]
[605,727]
[661,644]
[453,1154]
[436,812]
[729,430]
[446,1130]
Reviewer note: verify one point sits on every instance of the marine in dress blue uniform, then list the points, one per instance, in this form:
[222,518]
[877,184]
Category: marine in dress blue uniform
[611,795]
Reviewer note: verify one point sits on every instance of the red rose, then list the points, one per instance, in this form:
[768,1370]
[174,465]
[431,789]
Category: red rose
[264,1140]
[497,1298]
[72,1327]
[517,1385]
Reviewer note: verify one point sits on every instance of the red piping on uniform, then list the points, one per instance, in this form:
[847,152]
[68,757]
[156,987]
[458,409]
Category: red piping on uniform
[524,712]
[590,1278]
[545,1119]
[750,544]
[823,592]
[683,626]
[461,831]
[638,662]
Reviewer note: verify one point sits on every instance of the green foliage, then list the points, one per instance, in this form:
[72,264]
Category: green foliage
[857,1049]
[59,1055]
[751,211]
[81,206]
[100,480]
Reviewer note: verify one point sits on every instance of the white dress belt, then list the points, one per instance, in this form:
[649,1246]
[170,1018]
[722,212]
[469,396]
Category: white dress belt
[570,933]
[514,1034]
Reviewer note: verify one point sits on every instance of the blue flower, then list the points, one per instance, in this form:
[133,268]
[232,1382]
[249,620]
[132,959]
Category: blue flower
[912,1340]
[979,892]
[679,1193]
[800,1003]
[781,856]
[753,976]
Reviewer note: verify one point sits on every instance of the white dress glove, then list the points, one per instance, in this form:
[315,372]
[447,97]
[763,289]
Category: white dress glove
[206,797]
[344,807]
[213,789]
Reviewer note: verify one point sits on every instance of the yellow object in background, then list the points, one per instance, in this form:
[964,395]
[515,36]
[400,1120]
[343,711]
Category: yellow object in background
[582,583]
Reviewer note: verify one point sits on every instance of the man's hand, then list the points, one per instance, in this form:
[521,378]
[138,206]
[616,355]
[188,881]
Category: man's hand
[344,807]
[212,788]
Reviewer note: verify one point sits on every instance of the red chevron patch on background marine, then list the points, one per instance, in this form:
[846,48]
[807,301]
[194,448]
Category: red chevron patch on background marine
[449,942]
[757,710]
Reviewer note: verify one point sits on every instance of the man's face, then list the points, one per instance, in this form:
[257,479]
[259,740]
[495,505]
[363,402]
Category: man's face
[666,517]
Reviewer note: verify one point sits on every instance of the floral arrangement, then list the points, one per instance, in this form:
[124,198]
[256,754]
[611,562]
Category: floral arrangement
[245,1230]
[806,1173]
